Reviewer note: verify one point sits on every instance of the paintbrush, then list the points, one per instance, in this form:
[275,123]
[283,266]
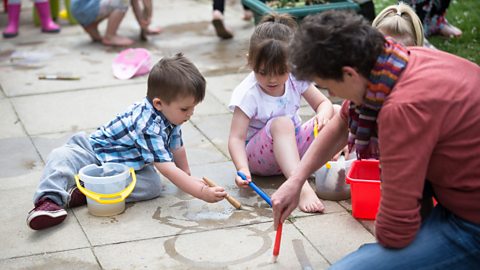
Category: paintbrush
[276,246]
[64,77]
[229,198]
[258,190]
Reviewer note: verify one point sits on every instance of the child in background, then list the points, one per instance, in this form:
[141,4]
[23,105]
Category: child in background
[401,23]
[89,13]
[217,19]
[433,13]
[267,136]
[43,9]
[143,13]
[147,137]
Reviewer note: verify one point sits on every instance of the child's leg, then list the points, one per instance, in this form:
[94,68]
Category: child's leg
[92,30]
[115,11]
[62,164]
[149,185]
[217,21]
[287,156]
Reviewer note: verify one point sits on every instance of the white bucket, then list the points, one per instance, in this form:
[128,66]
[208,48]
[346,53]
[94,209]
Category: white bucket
[105,187]
[330,180]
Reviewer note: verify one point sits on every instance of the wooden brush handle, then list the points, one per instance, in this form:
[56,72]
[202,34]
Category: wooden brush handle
[229,198]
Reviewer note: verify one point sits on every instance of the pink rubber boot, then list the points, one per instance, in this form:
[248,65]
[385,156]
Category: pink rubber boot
[13,16]
[48,26]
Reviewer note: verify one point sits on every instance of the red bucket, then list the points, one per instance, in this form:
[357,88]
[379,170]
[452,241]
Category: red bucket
[364,180]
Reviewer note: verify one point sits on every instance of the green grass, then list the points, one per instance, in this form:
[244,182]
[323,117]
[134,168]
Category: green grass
[464,14]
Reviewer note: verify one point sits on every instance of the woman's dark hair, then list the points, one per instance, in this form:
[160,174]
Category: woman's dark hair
[328,41]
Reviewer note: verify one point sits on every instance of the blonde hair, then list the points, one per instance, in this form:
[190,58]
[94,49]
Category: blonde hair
[401,23]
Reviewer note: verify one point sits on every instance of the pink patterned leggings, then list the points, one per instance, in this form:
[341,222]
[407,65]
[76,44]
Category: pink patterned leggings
[261,159]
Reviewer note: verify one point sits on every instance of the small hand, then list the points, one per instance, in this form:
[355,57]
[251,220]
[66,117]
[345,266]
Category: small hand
[213,194]
[243,179]
[321,122]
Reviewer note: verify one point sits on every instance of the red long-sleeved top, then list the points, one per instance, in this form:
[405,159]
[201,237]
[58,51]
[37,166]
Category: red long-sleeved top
[429,128]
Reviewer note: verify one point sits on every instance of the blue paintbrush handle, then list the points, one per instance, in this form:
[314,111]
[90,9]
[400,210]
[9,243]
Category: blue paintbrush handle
[256,189]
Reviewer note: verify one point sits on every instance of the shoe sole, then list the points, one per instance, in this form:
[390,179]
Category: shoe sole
[220,29]
[40,220]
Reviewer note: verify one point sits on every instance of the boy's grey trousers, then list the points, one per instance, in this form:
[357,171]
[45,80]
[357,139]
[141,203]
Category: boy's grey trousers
[64,162]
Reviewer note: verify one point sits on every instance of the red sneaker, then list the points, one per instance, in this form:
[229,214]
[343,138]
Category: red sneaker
[45,214]
[77,198]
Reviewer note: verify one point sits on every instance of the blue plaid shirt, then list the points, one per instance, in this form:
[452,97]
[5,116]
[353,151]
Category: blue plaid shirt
[140,136]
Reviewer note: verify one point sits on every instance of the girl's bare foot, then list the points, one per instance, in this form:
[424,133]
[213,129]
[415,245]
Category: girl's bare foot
[92,30]
[117,41]
[309,202]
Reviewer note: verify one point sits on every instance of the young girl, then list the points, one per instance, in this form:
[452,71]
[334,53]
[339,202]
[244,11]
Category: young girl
[266,135]
[401,23]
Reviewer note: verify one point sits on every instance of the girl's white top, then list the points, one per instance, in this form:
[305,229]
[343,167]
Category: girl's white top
[260,107]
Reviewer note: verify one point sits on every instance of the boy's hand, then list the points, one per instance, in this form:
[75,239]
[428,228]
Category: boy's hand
[213,194]
[242,183]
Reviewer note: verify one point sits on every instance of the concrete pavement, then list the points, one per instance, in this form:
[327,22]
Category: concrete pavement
[174,231]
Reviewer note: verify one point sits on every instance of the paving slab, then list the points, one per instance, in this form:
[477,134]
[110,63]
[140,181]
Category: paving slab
[18,156]
[16,195]
[77,110]
[246,247]
[72,259]
[12,127]
[335,235]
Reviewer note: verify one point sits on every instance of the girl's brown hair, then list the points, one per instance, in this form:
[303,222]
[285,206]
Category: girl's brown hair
[268,51]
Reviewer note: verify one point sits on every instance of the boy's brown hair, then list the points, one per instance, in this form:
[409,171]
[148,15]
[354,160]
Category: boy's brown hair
[175,77]
[328,41]
[269,44]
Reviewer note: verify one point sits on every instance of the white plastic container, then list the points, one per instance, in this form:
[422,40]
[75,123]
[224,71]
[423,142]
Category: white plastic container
[105,187]
[330,180]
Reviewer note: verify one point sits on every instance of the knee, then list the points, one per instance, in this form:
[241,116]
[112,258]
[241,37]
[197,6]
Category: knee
[282,124]
[60,153]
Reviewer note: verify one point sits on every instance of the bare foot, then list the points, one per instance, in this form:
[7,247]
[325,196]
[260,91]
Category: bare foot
[309,202]
[450,31]
[220,28]
[153,30]
[92,30]
[247,15]
[117,41]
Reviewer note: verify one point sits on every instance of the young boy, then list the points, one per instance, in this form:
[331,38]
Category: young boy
[145,137]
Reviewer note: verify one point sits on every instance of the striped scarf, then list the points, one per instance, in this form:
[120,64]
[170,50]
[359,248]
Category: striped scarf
[363,119]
